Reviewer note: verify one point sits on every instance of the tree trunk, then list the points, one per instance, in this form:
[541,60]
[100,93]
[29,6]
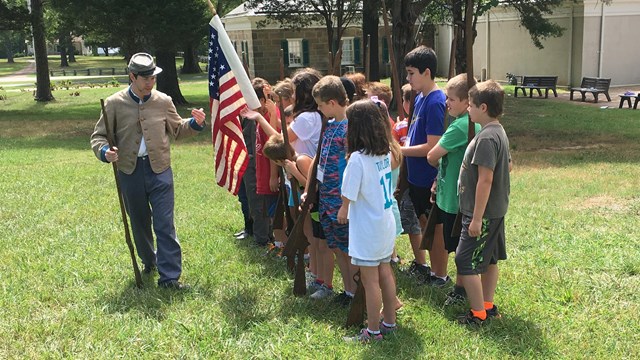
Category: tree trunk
[402,21]
[106,51]
[9,51]
[71,51]
[190,65]
[168,78]
[63,52]
[370,24]
[43,88]
[461,51]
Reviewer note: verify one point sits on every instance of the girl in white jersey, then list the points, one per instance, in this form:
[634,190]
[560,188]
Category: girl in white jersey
[367,199]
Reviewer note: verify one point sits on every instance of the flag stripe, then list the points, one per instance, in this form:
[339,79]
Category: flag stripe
[229,92]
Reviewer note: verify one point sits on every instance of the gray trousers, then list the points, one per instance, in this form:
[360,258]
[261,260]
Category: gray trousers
[149,200]
[262,229]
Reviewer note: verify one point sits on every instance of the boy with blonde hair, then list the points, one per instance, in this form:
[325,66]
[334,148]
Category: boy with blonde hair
[447,156]
[331,97]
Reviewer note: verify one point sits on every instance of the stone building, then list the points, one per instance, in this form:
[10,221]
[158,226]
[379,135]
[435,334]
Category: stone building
[260,47]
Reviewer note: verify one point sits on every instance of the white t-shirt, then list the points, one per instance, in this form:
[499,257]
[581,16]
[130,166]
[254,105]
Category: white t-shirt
[367,184]
[307,127]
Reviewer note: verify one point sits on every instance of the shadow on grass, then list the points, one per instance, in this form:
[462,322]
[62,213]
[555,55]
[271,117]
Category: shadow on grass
[245,305]
[512,334]
[515,336]
[150,301]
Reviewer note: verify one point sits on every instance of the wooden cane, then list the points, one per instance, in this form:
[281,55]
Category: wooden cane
[127,235]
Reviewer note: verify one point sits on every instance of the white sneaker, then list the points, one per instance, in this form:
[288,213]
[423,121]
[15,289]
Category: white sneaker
[322,293]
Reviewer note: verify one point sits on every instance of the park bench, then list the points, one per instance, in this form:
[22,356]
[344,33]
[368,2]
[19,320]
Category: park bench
[537,83]
[592,85]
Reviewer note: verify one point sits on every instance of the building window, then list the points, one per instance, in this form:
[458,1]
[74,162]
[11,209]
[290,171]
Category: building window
[295,52]
[347,51]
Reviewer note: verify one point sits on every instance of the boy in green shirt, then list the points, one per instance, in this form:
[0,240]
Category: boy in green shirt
[447,156]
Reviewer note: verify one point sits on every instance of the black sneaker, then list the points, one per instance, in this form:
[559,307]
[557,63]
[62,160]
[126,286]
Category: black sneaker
[148,269]
[241,232]
[438,282]
[343,299]
[456,296]
[493,313]
[174,285]
[423,273]
[470,319]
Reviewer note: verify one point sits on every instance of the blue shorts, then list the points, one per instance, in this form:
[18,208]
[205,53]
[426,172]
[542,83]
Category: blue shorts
[337,234]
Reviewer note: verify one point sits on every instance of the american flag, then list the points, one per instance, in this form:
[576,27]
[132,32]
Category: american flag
[229,92]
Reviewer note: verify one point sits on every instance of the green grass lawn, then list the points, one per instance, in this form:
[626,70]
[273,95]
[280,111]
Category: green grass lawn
[569,289]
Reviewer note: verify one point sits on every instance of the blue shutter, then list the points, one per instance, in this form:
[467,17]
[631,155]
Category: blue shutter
[305,52]
[356,51]
[284,45]
[385,50]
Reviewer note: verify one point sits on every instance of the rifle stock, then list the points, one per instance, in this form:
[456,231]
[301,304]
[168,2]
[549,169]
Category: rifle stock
[127,235]
[297,242]
[358,304]
[278,217]
[429,232]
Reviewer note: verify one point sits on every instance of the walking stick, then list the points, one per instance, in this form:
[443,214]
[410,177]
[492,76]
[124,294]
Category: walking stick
[110,140]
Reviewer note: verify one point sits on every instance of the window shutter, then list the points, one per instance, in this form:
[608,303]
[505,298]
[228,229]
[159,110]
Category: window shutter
[305,52]
[284,45]
[385,50]
[356,50]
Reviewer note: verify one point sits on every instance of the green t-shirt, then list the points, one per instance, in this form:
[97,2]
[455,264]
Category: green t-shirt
[454,141]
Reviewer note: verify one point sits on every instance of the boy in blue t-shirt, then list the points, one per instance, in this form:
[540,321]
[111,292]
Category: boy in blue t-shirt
[427,126]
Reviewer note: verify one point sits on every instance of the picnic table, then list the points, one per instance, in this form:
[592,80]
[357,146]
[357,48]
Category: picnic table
[627,96]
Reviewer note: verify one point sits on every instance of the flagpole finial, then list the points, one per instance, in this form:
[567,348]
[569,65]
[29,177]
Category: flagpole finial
[212,8]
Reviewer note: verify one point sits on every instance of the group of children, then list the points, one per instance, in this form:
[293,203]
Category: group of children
[343,130]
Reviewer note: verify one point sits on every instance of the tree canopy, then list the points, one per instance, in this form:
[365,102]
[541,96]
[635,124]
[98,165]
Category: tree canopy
[14,15]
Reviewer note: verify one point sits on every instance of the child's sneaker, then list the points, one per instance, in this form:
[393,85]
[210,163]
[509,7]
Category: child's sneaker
[493,313]
[312,287]
[470,319]
[322,293]
[457,296]
[396,262]
[423,273]
[363,337]
[309,277]
[343,299]
[438,282]
[386,330]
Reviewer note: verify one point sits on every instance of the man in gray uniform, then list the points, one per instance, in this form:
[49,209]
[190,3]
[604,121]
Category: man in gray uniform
[143,120]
